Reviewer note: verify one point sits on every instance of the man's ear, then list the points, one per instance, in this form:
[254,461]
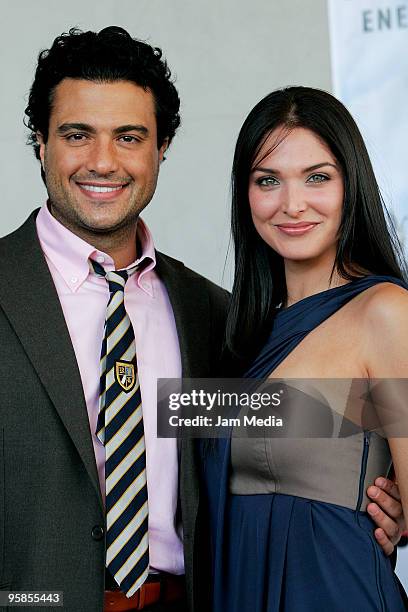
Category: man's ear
[40,140]
[163,149]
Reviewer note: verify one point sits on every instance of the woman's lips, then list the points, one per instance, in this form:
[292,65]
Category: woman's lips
[101,191]
[296,229]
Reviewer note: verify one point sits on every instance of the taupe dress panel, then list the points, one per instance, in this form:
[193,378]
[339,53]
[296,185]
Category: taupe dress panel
[318,454]
[326,470]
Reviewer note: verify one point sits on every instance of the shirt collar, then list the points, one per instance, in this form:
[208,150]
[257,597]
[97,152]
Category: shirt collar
[70,254]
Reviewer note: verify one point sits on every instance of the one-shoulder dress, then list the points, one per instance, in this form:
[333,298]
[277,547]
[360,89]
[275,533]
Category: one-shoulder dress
[289,529]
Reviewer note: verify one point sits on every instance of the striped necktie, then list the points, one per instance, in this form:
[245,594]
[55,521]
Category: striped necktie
[120,429]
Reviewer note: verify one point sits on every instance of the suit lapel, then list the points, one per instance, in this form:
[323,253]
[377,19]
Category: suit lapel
[30,302]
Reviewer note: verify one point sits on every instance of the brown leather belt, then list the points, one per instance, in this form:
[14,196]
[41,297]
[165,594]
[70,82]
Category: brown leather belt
[164,588]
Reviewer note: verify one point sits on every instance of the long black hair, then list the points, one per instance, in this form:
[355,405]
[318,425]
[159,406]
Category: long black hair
[367,240]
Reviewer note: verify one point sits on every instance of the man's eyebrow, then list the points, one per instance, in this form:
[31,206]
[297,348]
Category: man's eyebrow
[309,169]
[85,127]
[81,127]
[132,128]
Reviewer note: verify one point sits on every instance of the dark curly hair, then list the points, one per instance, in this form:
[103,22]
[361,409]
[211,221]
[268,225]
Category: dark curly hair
[105,56]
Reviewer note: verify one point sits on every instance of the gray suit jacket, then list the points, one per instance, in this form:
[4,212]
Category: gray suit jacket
[51,512]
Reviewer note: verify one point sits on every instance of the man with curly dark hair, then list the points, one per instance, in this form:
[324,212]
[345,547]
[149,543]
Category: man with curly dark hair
[103,504]
[92,503]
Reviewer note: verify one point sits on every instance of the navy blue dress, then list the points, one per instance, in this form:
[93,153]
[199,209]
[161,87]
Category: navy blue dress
[279,552]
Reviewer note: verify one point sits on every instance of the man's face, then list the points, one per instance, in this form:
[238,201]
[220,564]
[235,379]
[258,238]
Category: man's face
[101,159]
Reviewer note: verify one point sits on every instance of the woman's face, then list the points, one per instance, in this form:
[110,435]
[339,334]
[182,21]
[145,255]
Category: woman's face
[296,196]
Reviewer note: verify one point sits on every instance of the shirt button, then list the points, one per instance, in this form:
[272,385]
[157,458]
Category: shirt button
[100,259]
[97,533]
[74,279]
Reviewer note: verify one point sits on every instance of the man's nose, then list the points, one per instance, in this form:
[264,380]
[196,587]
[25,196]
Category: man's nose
[102,158]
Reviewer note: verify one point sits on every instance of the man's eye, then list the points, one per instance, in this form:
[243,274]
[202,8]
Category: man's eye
[267,181]
[128,138]
[75,137]
[317,178]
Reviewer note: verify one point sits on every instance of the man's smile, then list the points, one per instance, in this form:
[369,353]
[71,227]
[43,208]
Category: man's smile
[101,191]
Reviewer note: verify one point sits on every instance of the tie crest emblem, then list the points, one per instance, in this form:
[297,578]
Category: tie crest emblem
[125,375]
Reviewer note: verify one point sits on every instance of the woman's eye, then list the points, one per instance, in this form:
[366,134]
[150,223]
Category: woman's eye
[267,181]
[317,178]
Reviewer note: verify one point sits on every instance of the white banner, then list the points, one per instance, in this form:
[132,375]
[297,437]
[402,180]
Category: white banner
[369,49]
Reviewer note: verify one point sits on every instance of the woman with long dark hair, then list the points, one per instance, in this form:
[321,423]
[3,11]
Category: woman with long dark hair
[319,293]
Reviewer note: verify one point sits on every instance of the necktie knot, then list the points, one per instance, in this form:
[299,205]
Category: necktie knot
[115,278]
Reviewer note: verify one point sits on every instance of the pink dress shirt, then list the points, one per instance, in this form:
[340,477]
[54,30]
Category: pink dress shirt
[84,296]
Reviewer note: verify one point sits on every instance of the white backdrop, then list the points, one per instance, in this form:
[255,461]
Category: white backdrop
[370,75]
